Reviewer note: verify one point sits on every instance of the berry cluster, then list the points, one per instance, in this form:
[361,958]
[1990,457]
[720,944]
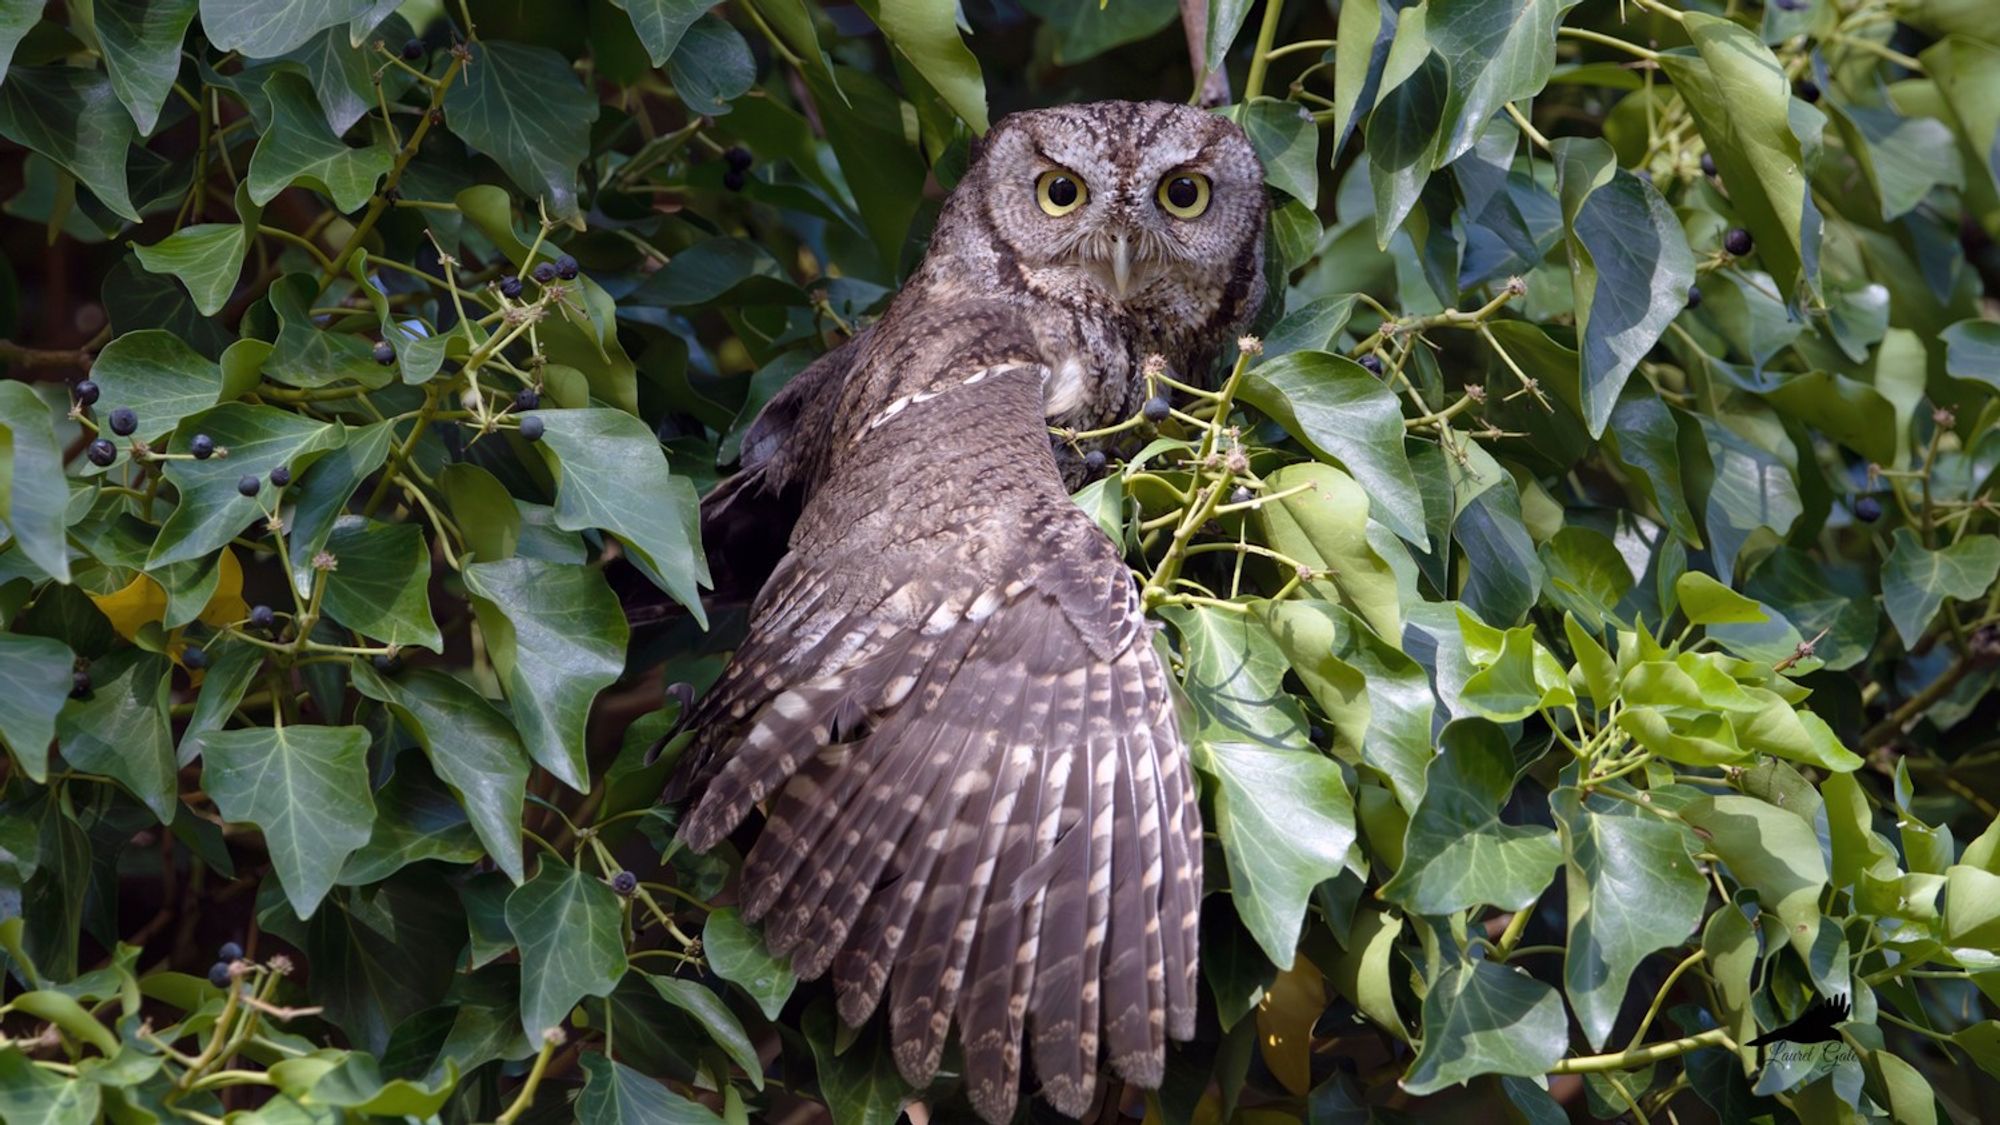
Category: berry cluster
[219,974]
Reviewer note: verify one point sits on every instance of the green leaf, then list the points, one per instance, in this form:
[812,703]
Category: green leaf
[615,1094]
[1286,820]
[1708,602]
[416,819]
[306,787]
[738,956]
[380,580]
[141,40]
[206,257]
[1630,268]
[33,492]
[1234,676]
[1829,600]
[1326,528]
[606,457]
[715,1017]
[1497,52]
[1342,413]
[1632,890]
[1485,1018]
[861,1085]
[1521,679]
[571,933]
[231,666]
[1972,351]
[713,66]
[263,29]
[120,728]
[1905,158]
[15,22]
[34,681]
[885,172]
[1754,493]
[1916,581]
[1740,98]
[1287,142]
[926,33]
[31,1095]
[1082,32]
[1643,438]
[1770,850]
[558,637]
[1972,907]
[1378,700]
[1457,853]
[1586,574]
[471,747]
[356,1084]
[1366,30]
[306,355]
[211,511]
[321,498]
[158,377]
[72,116]
[661,23]
[523,106]
[343,73]
[299,148]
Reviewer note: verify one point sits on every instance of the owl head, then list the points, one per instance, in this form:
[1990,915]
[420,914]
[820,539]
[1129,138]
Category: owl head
[1153,207]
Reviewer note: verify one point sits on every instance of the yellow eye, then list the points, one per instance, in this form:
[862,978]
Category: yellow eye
[1184,194]
[1059,192]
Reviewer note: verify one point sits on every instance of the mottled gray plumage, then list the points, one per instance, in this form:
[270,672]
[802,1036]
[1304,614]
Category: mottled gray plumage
[949,706]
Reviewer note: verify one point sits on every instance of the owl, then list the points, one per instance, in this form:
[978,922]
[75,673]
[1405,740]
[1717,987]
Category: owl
[975,797]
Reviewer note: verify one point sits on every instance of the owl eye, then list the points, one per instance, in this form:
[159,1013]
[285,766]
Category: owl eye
[1184,194]
[1059,192]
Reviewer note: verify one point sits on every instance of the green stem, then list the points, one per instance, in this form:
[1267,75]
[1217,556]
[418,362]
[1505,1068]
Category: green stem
[1267,33]
[1634,1057]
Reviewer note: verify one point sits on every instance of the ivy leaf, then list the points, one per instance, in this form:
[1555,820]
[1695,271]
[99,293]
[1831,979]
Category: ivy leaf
[33,494]
[570,931]
[1632,890]
[661,23]
[1287,142]
[1286,821]
[343,77]
[141,40]
[306,787]
[231,666]
[524,107]
[861,1084]
[1485,1018]
[1916,581]
[471,747]
[158,377]
[738,956]
[297,147]
[15,22]
[1082,32]
[1497,53]
[380,581]
[926,33]
[1342,413]
[1377,699]
[1326,528]
[263,29]
[713,66]
[32,1094]
[206,257]
[416,819]
[1708,602]
[1457,853]
[1235,677]
[211,512]
[34,681]
[306,355]
[72,116]
[615,1094]
[1972,351]
[1771,850]
[557,636]
[320,500]
[120,728]
[604,458]
[715,1017]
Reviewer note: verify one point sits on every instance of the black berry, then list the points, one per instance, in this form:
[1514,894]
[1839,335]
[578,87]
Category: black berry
[1694,296]
[102,453]
[1867,509]
[413,50]
[1372,362]
[510,287]
[281,476]
[1156,409]
[532,427]
[1241,495]
[1738,241]
[79,684]
[386,663]
[202,446]
[544,272]
[1093,462]
[87,392]
[124,421]
[193,659]
[385,352]
[230,951]
[261,617]
[738,158]
[218,974]
[527,398]
[1808,90]
[1708,164]
[733,180]
[250,485]
[624,882]
[566,268]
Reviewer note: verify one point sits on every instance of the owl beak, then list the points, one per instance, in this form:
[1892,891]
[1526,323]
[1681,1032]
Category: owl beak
[1121,264]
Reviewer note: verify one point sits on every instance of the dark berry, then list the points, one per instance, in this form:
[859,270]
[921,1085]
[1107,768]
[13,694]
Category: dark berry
[1808,90]
[510,287]
[544,272]
[1093,462]
[527,398]
[193,659]
[624,882]
[738,158]
[1708,164]
[87,392]
[733,180]
[1156,409]
[281,476]
[79,684]
[1240,495]
[218,974]
[383,662]
[1694,296]
[532,427]
[202,446]
[1793,5]
[566,268]
[250,485]
[1372,362]
[230,951]
[102,453]
[413,50]
[385,352]
[1738,241]
[1867,509]
[261,617]
[124,421]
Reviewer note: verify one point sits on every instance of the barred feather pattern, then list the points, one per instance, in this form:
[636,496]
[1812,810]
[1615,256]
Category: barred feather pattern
[951,713]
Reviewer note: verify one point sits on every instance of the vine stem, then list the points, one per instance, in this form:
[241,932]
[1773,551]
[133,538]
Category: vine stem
[378,205]
[1885,731]
[526,1096]
[1632,1058]
[1267,33]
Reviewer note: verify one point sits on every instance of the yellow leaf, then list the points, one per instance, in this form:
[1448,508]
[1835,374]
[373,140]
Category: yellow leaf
[1285,1020]
[226,605]
[142,602]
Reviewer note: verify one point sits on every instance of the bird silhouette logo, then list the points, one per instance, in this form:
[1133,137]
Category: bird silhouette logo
[1814,1025]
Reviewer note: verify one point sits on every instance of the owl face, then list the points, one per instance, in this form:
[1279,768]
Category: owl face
[1158,205]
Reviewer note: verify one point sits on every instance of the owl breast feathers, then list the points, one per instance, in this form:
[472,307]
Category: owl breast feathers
[949,706]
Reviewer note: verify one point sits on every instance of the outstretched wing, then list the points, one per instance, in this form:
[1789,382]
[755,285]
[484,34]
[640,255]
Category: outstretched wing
[977,800]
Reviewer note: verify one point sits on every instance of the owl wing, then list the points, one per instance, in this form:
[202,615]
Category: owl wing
[978,800]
